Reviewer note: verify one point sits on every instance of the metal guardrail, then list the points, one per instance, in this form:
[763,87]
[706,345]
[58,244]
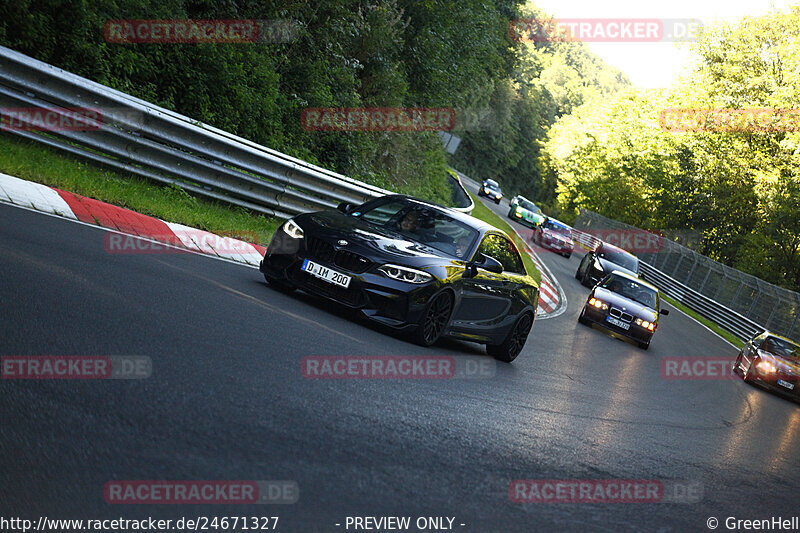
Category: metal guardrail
[151,142]
[739,302]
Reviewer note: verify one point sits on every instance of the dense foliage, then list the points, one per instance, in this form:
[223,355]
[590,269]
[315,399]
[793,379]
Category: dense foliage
[348,53]
[738,188]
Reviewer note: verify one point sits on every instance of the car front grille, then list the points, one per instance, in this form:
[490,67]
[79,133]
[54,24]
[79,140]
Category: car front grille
[319,249]
[352,262]
[325,252]
[616,313]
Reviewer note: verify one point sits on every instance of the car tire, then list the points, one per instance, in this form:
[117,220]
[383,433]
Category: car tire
[434,319]
[582,318]
[644,345]
[282,286]
[568,256]
[497,201]
[578,274]
[510,348]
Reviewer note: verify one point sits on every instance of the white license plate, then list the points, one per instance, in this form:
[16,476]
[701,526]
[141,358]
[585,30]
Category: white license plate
[325,273]
[619,323]
[786,384]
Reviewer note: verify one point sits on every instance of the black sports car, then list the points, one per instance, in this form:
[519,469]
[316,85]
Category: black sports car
[604,259]
[491,190]
[413,266]
[771,361]
[554,235]
[625,304]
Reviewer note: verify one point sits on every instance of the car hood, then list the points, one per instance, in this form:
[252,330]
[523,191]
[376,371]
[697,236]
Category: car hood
[625,304]
[609,267]
[529,215]
[556,236]
[786,366]
[369,240]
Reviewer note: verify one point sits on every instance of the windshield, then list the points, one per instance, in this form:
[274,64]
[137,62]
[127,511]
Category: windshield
[421,223]
[557,228]
[492,185]
[781,347]
[631,290]
[530,206]
[623,259]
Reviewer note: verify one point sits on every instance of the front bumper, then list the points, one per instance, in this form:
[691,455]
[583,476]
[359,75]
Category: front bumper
[557,245]
[770,382]
[391,302]
[599,317]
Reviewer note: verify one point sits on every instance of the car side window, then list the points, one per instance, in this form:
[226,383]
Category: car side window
[504,251]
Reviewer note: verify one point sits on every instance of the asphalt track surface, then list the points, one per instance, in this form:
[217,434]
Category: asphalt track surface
[227,401]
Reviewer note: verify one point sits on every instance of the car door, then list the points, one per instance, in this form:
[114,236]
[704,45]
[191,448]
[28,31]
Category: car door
[487,297]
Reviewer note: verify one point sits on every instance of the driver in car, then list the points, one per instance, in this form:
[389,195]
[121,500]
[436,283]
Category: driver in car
[410,222]
[462,245]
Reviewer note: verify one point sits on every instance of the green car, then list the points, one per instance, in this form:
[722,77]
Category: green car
[525,212]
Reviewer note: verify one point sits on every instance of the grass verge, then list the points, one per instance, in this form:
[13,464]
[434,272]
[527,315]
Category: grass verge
[33,162]
[725,334]
[482,212]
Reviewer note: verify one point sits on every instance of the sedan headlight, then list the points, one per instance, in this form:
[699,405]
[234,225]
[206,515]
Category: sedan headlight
[406,274]
[598,303]
[645,324]
[765,367]
[291,229]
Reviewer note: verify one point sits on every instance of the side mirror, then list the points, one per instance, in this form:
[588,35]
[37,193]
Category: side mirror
[665,311]
[488,263]
[485,262]
[345,207]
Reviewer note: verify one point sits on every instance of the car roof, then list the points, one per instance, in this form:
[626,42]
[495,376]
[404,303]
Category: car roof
[640,281]
[605,246]
[470,220]
[558,223]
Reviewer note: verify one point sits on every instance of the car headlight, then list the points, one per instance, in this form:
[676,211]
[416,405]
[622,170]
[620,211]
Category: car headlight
[765,367]
[291,229]
[518,214]
[645,324]
[598,303]
[400,273]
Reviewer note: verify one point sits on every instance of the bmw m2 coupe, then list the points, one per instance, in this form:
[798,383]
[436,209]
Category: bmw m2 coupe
[413,266]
